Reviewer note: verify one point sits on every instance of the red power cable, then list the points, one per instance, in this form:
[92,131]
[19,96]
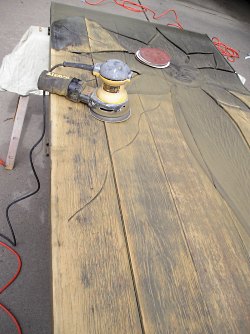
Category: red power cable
[18,268]
[226,50]
[2,289]
[138,8]
[12,318]
[2,163]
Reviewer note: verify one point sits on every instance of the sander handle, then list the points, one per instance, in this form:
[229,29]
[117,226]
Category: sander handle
[72,88]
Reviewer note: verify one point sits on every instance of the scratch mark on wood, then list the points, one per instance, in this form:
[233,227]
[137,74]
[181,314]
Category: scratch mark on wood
[92,199]
[137,132]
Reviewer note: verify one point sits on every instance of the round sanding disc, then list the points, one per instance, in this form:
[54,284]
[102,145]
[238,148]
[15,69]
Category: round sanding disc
[153,57]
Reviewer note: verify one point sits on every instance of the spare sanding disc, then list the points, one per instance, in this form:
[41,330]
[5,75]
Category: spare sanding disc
[153,57]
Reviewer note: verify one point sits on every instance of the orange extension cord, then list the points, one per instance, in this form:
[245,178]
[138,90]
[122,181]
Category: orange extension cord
[138,8]
[226,50]
[2,289]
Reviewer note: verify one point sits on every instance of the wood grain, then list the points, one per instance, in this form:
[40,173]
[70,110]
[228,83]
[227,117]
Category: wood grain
[222,144]
[224,97]
[168,290]
[143,239]
[242,119]
[100,39]
[220,258]
[92,284]
[243,97]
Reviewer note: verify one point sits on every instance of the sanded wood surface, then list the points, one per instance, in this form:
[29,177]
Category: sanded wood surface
[92,282]
[150,217]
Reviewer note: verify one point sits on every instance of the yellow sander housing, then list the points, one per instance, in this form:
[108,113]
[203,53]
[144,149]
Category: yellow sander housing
[113,75]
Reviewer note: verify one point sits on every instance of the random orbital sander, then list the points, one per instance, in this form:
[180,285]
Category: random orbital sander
[108,102]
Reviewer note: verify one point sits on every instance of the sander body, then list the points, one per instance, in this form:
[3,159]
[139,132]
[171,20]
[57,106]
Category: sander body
[108,102]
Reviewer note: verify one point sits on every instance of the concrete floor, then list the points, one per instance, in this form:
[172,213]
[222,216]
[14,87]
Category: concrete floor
[29,298]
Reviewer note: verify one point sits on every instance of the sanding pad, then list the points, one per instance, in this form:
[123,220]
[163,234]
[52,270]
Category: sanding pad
[153,57]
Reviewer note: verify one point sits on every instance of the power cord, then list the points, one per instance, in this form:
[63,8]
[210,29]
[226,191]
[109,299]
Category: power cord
[2,289]
[57,65]
[13,241]
[227,51]
[139,8]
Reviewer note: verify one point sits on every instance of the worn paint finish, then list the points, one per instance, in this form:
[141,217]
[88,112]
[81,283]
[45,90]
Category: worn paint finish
[149,217]
[92,283]
[223,147]
[168,290]
[217,251]
[100,39]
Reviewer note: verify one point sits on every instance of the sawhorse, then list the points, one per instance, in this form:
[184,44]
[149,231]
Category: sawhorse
[16,132]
